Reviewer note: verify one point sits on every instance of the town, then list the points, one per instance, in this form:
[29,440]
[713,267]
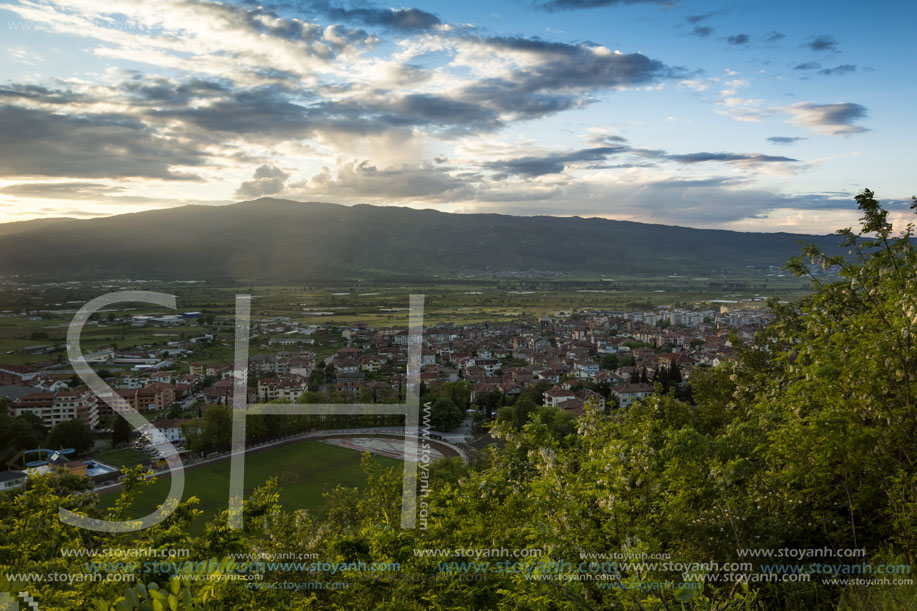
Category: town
[475,373]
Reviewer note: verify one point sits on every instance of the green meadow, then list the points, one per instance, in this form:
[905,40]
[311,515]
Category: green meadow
[305,470]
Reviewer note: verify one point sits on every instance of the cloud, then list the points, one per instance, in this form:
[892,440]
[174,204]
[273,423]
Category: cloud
[550,66]
[784,140]
[702,31]
[743,109]
[532,166]
[554,163]
[572,5]
[401,19]
[20,92]
[213,38]
[713,200]
[740,158]
[61,190]
[703,17]
[832,119]
[822,43]
[267,180]
[105,145]
[537,78]
[361,181]
[738,39]
[807,66]
[774,36]
[839,70]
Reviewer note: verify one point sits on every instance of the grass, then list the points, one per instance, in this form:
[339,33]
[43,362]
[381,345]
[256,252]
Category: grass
[320,467]
[120,458]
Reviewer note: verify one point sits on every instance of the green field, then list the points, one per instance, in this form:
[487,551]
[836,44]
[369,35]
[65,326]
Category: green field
[120,458]
[318,466]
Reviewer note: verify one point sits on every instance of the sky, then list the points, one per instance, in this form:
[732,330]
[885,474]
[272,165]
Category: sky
[753,116]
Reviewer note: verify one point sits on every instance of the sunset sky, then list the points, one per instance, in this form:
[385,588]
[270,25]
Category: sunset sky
[765,116]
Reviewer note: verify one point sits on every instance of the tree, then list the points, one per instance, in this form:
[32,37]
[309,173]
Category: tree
[19,434]
[445,415]
[71,434]
[522,409]
[316,378]
[609,362]
[212,433]
[120,431]
[35,421]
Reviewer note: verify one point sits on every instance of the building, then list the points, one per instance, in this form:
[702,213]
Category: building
[56,407]
[155,396]
[349,382]
[16,374]
[280,389]
[556,395]
[629,393]
[171,430]
[10,480]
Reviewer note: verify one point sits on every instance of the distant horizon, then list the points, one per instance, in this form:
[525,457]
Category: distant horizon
[419,209]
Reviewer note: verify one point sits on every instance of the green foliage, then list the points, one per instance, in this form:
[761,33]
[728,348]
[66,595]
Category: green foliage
[121,431]
[212,433]
[609,362]
[71,434]
[445,415]
[24,432]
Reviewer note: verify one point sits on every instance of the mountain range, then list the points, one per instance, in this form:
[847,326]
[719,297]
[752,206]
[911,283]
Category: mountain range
[281,241]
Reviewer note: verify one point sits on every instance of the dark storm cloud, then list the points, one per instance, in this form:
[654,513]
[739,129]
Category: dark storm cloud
[572,5]
[839,70]
[822,43]
[784,140]
[738,39]
[42,143]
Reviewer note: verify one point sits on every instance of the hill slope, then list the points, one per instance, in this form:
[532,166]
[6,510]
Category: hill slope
[270,240]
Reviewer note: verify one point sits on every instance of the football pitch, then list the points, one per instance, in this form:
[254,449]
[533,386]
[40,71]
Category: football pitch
[304,469]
